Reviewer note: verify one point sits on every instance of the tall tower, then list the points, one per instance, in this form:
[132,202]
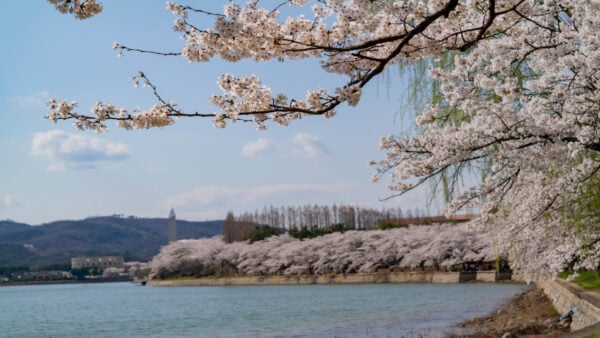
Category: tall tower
[172,227]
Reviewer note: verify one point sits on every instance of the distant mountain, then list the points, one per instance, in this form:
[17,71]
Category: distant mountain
[56,242]
[9,226]
[14,255]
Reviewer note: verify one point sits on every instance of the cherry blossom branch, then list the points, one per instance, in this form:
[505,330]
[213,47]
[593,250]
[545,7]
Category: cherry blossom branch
[520,98]
[117,45]
[189,8]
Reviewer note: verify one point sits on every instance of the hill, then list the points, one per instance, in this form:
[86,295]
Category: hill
[56,242]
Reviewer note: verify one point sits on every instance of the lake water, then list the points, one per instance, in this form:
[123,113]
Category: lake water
[129,310]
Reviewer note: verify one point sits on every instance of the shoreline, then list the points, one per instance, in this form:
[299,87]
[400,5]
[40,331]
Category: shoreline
[64,281]
[528,314]
[434,277]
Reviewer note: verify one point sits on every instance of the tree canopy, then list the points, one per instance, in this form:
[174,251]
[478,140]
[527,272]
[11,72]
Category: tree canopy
[519,99]
[440,247]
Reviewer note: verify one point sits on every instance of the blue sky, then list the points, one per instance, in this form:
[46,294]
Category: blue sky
[53,171]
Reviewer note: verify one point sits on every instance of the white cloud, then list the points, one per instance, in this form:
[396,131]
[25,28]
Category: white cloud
[35,100]
[256,148]
[309,146]
[213,202]
[303,145]
[72,151]
[10,201]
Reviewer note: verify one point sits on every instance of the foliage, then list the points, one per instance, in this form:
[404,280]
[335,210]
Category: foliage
[80,274]
[593,335]
[414,247]
[55,267]
[302,222]
[7,270]
[142,273]
[589,280]
[384,225]
[236,230]
[320,216]
[519,97]
[57,242]
[263,232]
[13,254]
[315,231]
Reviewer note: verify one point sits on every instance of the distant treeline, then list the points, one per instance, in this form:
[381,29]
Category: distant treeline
[308,221]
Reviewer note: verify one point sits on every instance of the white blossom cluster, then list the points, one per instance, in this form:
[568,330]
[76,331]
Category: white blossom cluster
[357,39]
[530,96]
[415,247]
[156,116]
[81,9]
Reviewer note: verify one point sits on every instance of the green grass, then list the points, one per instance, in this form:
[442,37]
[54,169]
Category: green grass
[593,335]
[589,280]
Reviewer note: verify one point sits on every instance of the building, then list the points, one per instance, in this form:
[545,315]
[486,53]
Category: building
[172,227]
[97,262]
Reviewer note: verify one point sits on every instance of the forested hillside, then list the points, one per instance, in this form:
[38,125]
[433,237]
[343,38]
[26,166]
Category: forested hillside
[56,242]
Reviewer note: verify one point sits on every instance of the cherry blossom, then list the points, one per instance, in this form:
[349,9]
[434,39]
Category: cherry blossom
[416,247]
[81,9]
[520,102]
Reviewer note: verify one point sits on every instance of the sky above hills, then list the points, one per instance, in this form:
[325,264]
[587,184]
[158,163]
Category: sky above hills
[53,171]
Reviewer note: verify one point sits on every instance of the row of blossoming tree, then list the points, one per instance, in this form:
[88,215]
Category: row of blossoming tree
[439,247]
[520,101]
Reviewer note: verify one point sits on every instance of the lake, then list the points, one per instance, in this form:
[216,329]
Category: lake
[130,310]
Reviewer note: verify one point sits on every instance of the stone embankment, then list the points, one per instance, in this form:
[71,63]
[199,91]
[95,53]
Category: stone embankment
[359,278]
[532,313]
[567,296]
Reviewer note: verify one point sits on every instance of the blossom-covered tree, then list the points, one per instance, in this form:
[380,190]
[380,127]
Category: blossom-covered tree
[520,99]
[438,247]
